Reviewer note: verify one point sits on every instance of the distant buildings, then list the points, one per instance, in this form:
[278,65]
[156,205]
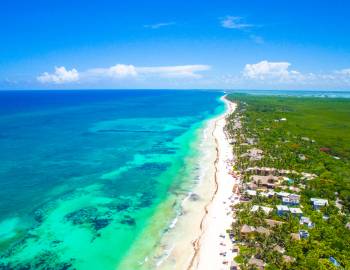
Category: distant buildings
[265,181]
[273,223]
[296,211]
[318,203]
[279,249]
[290,199]
[246,230]
[280,120]
[295,236]
[306,221]
[334,262]
[347,225]
[284,210]
[303,234]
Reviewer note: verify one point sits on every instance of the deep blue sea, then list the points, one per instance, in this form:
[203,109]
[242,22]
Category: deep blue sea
[83,172]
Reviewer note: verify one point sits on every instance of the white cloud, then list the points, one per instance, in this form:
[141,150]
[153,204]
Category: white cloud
[345,72]
[158,25]
[342,75]
[123,72]
[280,72]
[263,74]
[185,71]
[233,22]
[279,75]
[271,70]
[61,75]
[118,71]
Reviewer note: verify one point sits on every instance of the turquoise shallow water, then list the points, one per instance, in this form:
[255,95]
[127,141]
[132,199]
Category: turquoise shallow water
[83,174]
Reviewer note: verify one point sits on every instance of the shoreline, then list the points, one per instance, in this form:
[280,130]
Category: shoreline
[188,242]
[213,241]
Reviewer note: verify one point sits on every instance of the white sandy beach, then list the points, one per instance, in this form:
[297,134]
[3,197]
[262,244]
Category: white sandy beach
[196,241]
[214,244]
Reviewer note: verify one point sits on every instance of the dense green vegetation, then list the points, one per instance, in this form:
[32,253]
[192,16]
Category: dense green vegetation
[304,135]
[326,120]
[313,125]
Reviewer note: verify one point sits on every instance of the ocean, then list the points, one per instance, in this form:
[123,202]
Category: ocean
[295,93]
[88,177]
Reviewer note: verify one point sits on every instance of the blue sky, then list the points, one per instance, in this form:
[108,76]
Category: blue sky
[175,44]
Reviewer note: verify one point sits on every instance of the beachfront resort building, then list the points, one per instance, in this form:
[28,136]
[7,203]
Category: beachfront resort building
[246,230]
[266,182]
[273,223]
[306,221]
[295,236]
[296,211]
[290,199]
[282,210]
[303,234]
[318,203]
